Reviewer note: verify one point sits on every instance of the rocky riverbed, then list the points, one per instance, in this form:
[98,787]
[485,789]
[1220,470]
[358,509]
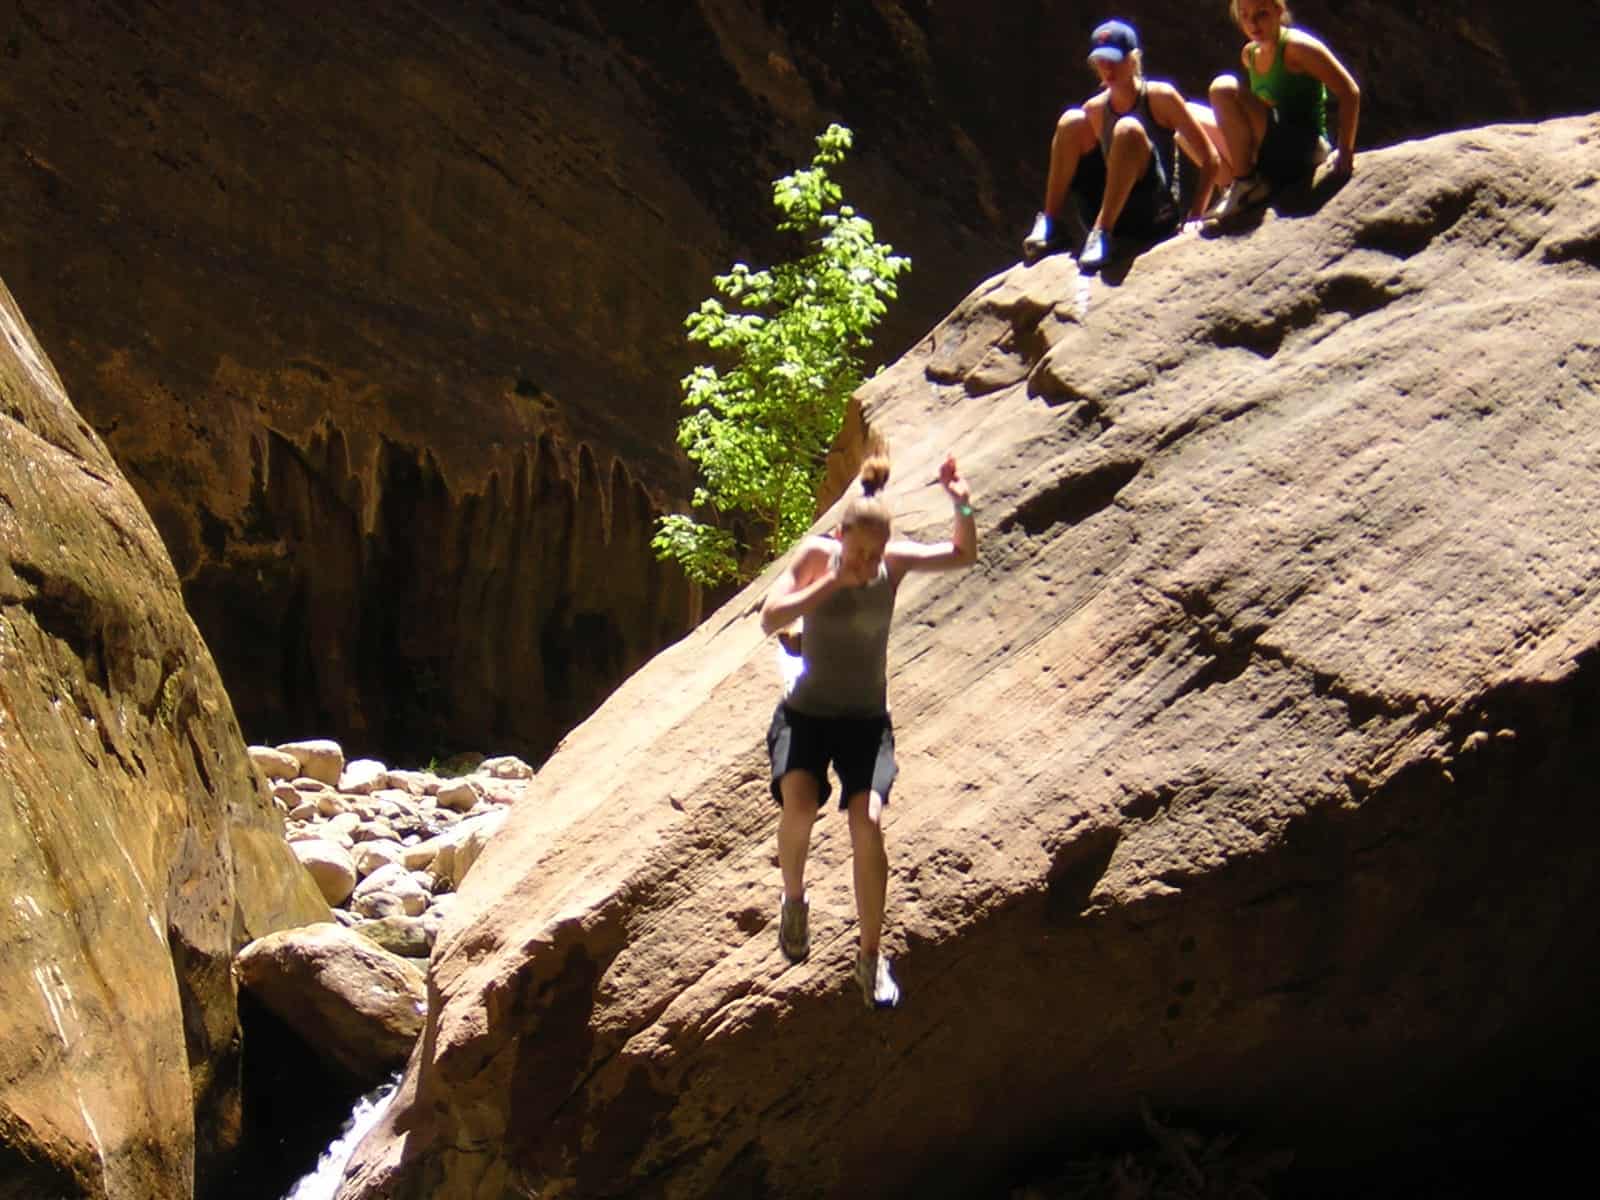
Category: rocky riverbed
[332,1009]
[387,848]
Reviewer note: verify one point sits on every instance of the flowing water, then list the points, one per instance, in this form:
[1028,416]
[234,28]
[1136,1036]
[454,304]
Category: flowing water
[321,1183]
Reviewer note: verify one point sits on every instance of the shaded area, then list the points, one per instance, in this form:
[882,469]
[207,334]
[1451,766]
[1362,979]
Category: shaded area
[420,620]
[295,1103]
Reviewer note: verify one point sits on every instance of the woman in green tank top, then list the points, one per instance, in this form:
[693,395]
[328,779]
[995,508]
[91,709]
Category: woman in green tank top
[1276,129]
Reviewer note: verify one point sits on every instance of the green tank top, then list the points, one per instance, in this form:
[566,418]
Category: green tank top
[1301,100]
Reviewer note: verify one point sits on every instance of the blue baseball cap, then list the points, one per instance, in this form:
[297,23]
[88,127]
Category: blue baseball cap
[1113,41]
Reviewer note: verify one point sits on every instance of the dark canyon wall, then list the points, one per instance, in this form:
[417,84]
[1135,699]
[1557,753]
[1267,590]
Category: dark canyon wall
[379,306]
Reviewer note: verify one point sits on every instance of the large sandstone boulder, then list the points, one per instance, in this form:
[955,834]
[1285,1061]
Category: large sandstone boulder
[346,996]
[140,848]
[381,307]
[1250,772]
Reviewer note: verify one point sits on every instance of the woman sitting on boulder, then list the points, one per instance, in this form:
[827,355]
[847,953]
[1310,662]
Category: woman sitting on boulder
[1114,158]
[1275,132]
[837,710]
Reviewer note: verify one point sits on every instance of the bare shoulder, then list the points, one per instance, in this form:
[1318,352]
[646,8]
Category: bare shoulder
[901,555]
[1298,46]
[904,557]
[1165,100]
[811,556]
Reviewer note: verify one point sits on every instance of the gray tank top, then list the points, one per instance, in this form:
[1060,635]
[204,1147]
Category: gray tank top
[845,650]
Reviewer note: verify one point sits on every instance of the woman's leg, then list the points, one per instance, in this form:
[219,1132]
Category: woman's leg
[1130,155]
[1074,137]
[1242,121]
[1207,120]
[878,986]
[871,865]
[800,792]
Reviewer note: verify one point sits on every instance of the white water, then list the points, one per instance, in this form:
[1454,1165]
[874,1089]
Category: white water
[324,1181]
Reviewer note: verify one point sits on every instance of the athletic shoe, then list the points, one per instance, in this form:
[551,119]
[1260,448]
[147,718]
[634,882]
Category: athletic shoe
[878,988]
[794,928]
[1047,236]
[1096,251]
[1243,194]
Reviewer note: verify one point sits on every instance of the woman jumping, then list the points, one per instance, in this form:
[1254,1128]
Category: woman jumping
[837,710]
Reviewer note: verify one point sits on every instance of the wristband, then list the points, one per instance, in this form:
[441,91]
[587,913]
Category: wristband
[964,509]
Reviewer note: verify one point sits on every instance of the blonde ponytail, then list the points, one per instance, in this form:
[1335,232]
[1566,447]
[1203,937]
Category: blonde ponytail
[869,508]
[874,474]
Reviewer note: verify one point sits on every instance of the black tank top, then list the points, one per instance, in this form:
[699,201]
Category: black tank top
[1163,141]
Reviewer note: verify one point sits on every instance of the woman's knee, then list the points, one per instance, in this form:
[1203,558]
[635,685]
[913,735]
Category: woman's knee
[866,815]
[1072,118]
[801,793]
[1073,127]
[1224,90]
[1130,131]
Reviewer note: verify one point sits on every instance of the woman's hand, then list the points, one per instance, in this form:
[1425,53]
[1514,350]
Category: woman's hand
[950,478]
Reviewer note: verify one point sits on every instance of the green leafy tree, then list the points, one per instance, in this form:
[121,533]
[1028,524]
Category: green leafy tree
[790,342]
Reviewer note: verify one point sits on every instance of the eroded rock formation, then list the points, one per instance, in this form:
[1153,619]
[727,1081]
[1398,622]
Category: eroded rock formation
[379,307]
[1250,771]
[140,847]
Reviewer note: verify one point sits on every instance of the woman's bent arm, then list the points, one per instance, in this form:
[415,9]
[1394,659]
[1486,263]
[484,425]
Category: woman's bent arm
[805,583]
[962,548]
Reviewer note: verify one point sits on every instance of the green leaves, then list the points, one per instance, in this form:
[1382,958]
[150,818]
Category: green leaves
[788,344]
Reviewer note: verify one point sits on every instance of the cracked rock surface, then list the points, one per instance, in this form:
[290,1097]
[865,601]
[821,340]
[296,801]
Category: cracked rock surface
[1249,773]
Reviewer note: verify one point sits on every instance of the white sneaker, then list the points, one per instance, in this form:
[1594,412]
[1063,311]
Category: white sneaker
[878,988]
[1243,194]
[794,928]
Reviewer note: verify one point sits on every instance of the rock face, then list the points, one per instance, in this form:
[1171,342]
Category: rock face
[380,309]
[1249,772]
[140,846]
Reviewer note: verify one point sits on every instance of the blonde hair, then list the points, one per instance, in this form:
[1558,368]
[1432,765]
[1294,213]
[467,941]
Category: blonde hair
[869,508]
[1283,8]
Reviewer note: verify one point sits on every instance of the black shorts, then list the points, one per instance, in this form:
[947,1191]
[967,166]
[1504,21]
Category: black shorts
[1288,152]
[1150,213]
[861,750]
